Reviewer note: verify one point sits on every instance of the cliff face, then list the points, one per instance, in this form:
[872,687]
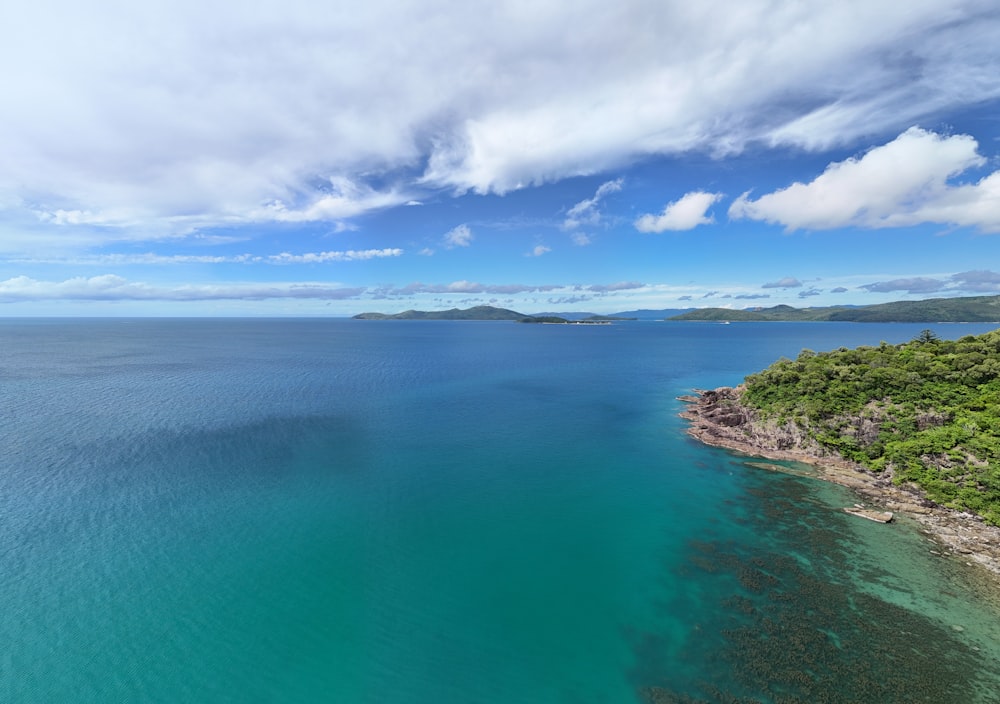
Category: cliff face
[718,418]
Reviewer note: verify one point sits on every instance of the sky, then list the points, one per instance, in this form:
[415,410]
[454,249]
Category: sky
[306,157]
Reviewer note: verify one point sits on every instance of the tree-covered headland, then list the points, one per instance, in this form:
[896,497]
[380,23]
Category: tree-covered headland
[926,411]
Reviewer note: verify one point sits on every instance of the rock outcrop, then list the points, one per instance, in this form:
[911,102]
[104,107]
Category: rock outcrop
[718,417]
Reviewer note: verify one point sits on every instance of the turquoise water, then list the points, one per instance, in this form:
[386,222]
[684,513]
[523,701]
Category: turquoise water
[351,511]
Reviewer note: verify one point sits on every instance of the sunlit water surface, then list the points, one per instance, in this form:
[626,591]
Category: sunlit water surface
[435,512]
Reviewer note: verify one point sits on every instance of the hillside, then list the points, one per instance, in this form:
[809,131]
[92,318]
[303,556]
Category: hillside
[475,313]
[924,413]
[975,309]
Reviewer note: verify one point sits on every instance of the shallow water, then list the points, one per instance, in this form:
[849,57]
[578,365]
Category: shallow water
[332,510]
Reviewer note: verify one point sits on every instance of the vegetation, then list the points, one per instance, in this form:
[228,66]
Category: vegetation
[483,313]
[975,309]
[926,411]
[474,313]
[542,319]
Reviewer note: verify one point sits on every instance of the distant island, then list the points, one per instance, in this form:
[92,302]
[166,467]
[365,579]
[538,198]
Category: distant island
[914,427]
[975,309]
[486,313]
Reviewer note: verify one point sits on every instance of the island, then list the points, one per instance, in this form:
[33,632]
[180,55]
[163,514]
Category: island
[912,428]
[487,313]
[971,309]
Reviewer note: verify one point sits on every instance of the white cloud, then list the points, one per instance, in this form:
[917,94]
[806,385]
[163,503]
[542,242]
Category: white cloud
[339,198]
[979,281]
[904,182]
[787,282]
[115,288]
[586,212]
[460,236]
[325,257]
[463,286]
[686,213]
[162,118]
[151,258]
[539,250]
[620,286]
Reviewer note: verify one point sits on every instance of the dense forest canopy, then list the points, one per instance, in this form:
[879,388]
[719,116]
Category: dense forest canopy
[926,411]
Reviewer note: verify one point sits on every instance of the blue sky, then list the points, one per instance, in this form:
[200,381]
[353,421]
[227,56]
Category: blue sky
[315,158]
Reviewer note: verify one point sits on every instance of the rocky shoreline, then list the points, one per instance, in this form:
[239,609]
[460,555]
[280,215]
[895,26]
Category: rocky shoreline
[717,417]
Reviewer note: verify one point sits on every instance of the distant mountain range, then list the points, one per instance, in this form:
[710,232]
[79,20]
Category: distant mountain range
[975,309]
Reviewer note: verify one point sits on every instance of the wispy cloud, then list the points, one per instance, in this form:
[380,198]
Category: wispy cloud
[587,212]
[538,250]
[917,284]
[904,182]
[787,282]
[619,286]
[686,213]
[979,281]
[349,255]
[460,236]
[463,286]
[115,288]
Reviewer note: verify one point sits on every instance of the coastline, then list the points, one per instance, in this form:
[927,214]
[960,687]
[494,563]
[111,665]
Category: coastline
[716,417]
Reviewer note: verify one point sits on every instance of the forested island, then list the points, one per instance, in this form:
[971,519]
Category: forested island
[486,313]
[914,426]
[972,309]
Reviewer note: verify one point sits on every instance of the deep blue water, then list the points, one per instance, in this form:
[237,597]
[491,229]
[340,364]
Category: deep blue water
[360,511]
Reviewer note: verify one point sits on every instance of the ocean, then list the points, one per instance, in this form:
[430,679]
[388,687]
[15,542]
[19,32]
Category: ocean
[245,510]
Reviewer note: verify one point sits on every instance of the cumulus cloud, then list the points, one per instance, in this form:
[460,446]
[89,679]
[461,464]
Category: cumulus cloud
[839,289]
[174,116]
[587,212]
[686,213]
[115,288]
[787,282]
[752,296]
[904,182]
[460,236]
[810,292]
